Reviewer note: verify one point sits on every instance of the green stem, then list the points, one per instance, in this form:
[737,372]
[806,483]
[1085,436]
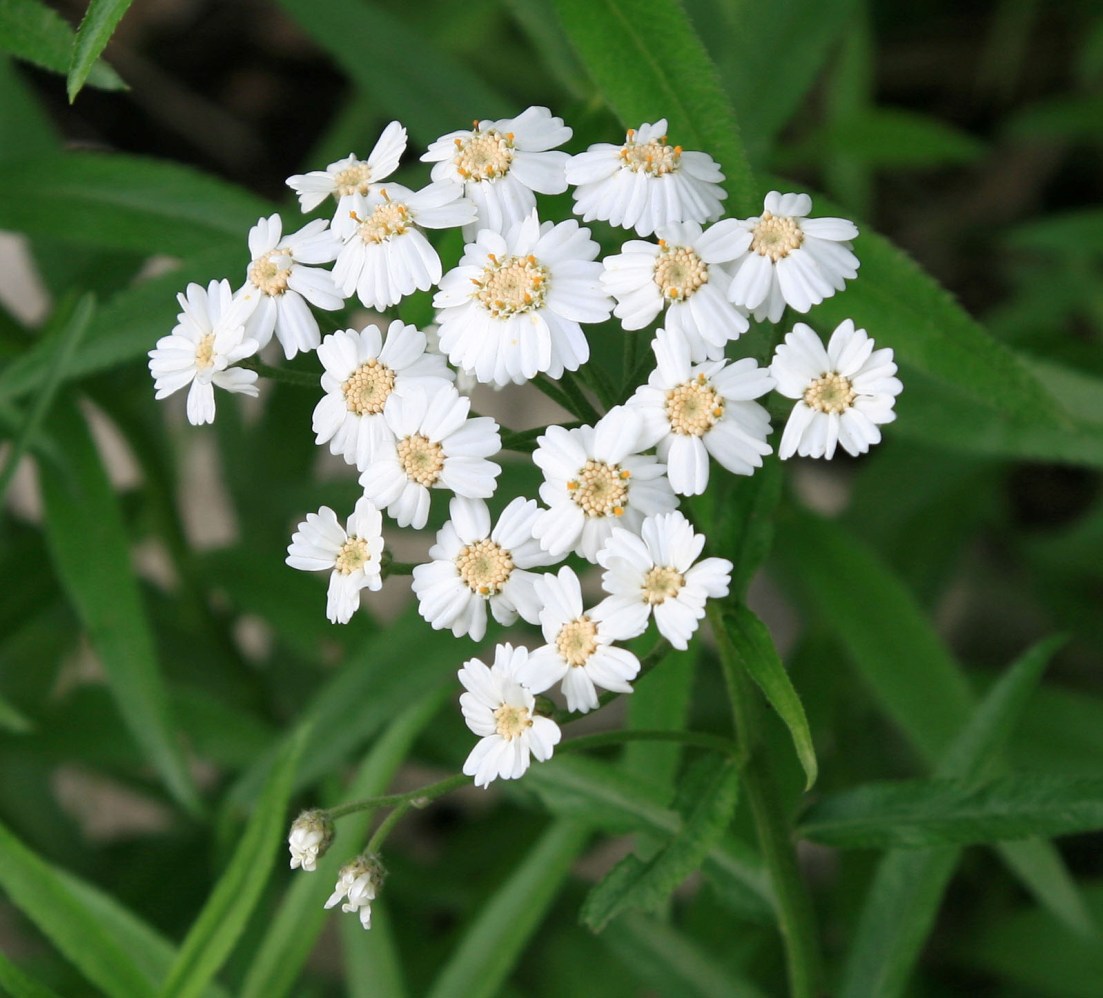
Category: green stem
[415,798]
[379,836]
[796,920]
[301,379]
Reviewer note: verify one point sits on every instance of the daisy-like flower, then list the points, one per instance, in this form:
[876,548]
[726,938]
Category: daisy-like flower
[350,175]
[361,372]
[511,309]
[579,649]
[310,836]
[843,392]
[436,446]
[499,708]
[358,883]
[281,277]
[501,163]
[692,411]
[645,183]
[473,566]
[596,479]
[208,339]
[789,259]
[658,572]
[384,255]
[681,273]
[353,556]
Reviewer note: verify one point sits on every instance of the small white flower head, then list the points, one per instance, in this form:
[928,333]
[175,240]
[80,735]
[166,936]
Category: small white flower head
[208,339]
[594,480]
[436,447]
[384,255]
[843,392]
[511,309]
[658,573]
[579,649]
[500,709]
[310,836]
[350,175]
[500,165]
[358,883]
[790,259]
[691,411]
[352,555]
[645,183]
[282,278]
[473,566]
[362,371]
[682,273]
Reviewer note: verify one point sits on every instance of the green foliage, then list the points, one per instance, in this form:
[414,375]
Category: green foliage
[37,33]
[99,23]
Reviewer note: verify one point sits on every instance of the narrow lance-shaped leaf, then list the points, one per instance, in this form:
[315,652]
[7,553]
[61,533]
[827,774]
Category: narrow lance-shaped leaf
[18,984]
[93,35]
[37,33]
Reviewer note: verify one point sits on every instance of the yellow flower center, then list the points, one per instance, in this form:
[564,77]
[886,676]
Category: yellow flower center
[367,389]
[776,236]
[830,393]
[353,554]
[694,407]
[421,459]
[269,273]
[484,567]
[662,583]
[600,489]
[355,179]
[391,218]
[484,156]
[655,158]
[512,286]
[577,641]
[204,352]
[510,722]
[679,271]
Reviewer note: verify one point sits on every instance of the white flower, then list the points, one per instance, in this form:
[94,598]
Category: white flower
[842,393]
[280,276]
[353,556]
[501,163]
[361,372]
[436,446]
[655,573]
[384,256]
[790,259]
[579,648]
[499,708]
[473,565]
[309,838]
[511,309]
[691,411]
[645,183]
[358,881]
[681,272]
[208,339]
[350,175]
[595,479]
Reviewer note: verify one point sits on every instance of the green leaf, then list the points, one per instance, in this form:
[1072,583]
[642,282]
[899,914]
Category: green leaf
[757,654]
[25,128]
[634,883]
[1070,233]
[92,37]
[90,551]
[223,918]
[35,32]
[20,985]
[894,137]
[12,720]
[37,890]
[481,963]
[123,202]
[648,63]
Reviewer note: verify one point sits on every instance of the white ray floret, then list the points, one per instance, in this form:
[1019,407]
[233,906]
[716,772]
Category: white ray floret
[579,650]
[657,573]
[791,259]
[691,411]
[436,446]
[350,175]
[503,164]
[843,392]
[500,709]
[511,309]
[357,884]
[682,273]
[362,371]
[282,278]
[645,183]
[352,555]
[596,479]
[208,339]
[474,566]
[384,255]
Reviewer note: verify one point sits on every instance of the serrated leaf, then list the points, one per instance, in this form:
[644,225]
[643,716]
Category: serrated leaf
[94,33]
[37,33]
[648,63]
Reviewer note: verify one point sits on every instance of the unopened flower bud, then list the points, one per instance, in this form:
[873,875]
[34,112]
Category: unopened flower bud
[310,836]
[358,882]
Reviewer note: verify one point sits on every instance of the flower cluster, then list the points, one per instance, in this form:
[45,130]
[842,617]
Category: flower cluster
[512,307]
